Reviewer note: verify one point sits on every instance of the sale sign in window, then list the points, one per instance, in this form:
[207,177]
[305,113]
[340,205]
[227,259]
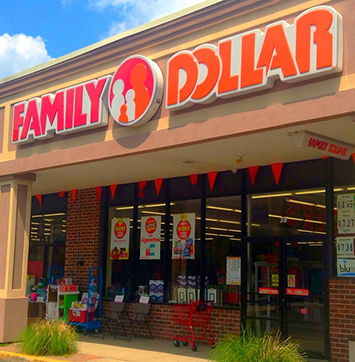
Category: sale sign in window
[183,236]
[150,237]
[120,232]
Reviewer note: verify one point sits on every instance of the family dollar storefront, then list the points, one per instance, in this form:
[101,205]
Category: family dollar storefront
[207,155]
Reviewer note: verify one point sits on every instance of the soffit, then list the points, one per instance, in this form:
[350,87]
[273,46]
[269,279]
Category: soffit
[261,148]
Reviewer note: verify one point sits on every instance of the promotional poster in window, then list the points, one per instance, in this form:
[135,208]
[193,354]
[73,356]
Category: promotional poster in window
[150,237]
[183,236]
[120,231]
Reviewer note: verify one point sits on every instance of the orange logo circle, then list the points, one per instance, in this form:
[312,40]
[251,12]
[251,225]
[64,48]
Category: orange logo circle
[136,91]
[120,229]
[183,229]
[150,225]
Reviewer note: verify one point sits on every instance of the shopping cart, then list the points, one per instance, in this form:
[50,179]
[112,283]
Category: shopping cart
[195,315]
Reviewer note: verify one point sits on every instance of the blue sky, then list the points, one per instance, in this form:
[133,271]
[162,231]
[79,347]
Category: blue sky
[35,31]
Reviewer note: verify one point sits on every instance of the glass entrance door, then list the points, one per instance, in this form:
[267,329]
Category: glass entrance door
[263,308]
[286,290]
[304,297]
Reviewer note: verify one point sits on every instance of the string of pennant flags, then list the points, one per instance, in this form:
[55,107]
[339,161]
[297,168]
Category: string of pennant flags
[212,176]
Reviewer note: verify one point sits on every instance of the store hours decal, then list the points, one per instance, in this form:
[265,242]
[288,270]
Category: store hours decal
[119,246]
[183,236]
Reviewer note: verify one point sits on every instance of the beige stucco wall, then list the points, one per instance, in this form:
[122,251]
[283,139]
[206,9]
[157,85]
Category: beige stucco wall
[15,210]
[223,118]
[15,197]
[13,318]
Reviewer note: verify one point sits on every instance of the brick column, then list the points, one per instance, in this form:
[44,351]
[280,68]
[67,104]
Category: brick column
[342,317]
[83,231]
[15,214]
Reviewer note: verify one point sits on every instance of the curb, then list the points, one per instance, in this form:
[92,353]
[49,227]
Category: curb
[28,358]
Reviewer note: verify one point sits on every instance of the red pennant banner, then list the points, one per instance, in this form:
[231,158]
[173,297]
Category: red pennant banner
[353,156]
[39,198]
[73,195]
[62,193]
[276,170]
[212,178]
[253,170]
[158,183]
[98,193]
[141,187]
[325,157]
[194,179]
[113,190]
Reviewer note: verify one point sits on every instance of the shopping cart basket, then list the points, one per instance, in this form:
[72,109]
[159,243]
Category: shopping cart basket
[195,317]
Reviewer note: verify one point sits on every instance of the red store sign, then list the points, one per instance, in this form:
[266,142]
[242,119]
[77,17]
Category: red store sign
[310,47]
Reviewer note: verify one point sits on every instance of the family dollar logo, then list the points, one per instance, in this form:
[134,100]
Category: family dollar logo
[136,91]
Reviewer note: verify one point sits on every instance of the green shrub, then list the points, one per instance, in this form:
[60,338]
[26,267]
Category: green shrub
[49,338]
[249,348]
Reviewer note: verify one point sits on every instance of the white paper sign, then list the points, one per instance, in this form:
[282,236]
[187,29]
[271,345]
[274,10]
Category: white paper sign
[346,214]
[119,298]
[345,246]
[233,270]
[144,299]
[183,236]
[346,203]
[120,231]
[150,237]
[346,223]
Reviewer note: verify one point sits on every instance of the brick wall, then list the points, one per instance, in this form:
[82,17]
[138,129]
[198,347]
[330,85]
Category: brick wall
[82,243]
[342,317]
[223,321]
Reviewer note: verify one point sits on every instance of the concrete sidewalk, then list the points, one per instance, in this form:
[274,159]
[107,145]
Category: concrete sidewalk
[94,349]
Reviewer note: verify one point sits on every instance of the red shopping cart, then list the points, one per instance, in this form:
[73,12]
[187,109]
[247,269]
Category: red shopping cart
[195,317]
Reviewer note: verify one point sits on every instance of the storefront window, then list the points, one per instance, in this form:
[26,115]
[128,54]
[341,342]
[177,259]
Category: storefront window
[223,248]
[290,213]
[118,273]
[151,247]
[185,236]
[138,262]
[47,244]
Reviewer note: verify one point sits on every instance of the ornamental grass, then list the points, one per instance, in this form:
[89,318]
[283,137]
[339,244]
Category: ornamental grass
[249,348]
[49,338]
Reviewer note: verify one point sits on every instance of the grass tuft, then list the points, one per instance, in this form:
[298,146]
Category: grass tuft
[49,338]
[249,348]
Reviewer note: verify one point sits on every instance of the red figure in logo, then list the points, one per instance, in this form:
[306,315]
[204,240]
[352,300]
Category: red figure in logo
[138,77]
[123,114]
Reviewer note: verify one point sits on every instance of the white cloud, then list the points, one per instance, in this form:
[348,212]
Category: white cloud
[19,52]
[117,28]
[136,12]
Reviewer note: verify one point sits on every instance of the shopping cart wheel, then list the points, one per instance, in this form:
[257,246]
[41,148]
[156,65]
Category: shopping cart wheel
[176,343]
[193,347]
[185,343]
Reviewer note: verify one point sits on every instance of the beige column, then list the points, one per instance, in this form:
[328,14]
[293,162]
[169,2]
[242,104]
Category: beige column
[15,214]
